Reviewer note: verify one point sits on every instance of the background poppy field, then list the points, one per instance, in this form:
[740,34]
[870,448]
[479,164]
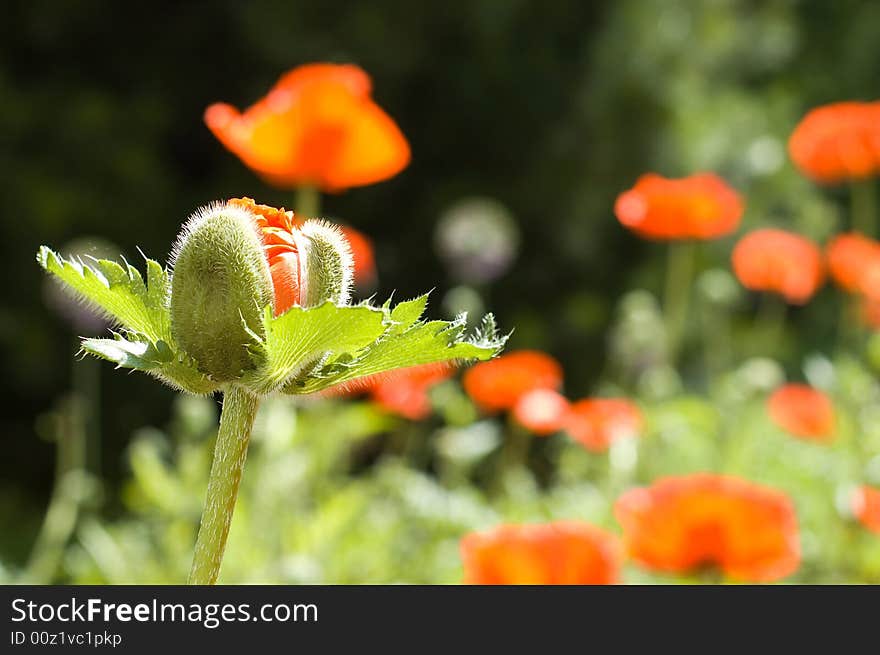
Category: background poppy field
[694,404]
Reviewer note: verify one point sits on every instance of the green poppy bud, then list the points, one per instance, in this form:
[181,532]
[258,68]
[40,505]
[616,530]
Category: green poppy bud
[220,285]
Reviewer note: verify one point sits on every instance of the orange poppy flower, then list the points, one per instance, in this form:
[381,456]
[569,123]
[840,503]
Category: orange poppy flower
[541,411]
[854,263]
[869,313]
[866,507]
[405,392]
[317,126]
[780,262]
[562,552]
[499,383]
[681,523]
[596,422]
[803,411]
[837,142]
[701,206]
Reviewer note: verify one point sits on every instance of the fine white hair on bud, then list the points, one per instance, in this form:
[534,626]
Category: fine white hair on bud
[219,286]
[326,263]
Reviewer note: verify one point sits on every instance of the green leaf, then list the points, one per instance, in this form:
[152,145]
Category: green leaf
[419,343]
[406,313]
[119,292]
[139,355]
[157,359]
[301,338]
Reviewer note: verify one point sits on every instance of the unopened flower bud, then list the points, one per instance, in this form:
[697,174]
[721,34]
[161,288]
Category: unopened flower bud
[234,259]
[221,283]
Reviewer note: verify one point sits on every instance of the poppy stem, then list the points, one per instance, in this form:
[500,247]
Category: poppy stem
[771,319]
[863,206]
[67,495]
[514,454]
[307,202]
[230,452]
[679,279]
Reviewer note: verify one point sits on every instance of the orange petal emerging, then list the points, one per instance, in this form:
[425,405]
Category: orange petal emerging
[541,411]
[596,422]
[499,383]
[838,142]
[564,552]
[779,262]
[701,206]
[681,523]
[279,243]
[317,126]
[866,507]
[803,411]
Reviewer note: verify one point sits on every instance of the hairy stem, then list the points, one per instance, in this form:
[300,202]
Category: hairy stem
[230,452]
[863,206]
[679,279]
[307,202]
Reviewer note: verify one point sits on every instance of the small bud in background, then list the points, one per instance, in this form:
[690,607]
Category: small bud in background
[719,288]
[463,299]
[478,239]
[633,343]
[221,284]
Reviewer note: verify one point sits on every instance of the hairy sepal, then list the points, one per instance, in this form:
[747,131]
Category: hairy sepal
[219,287]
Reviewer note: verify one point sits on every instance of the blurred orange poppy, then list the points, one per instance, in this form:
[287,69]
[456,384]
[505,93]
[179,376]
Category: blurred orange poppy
[562,552]
[318,126]
[362,253]
[499,383]
[839,141]
[803,411]
[405,391]
[866,507]
[701,206]
[681,523]
[869,313]
[854,263]
[779,262]
[596,422]
[541,411]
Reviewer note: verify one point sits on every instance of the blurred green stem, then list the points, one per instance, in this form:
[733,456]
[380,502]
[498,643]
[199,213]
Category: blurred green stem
[307,202]
[772,310]
[67,494]
[514,452]
[230,452]
[863,206]
[716,340]
[86,380]
[679,279]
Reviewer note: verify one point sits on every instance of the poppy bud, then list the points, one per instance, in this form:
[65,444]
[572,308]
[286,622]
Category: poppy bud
[221,283]
[231,261]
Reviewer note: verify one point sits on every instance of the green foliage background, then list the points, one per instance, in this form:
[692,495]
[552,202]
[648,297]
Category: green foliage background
[552,108]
